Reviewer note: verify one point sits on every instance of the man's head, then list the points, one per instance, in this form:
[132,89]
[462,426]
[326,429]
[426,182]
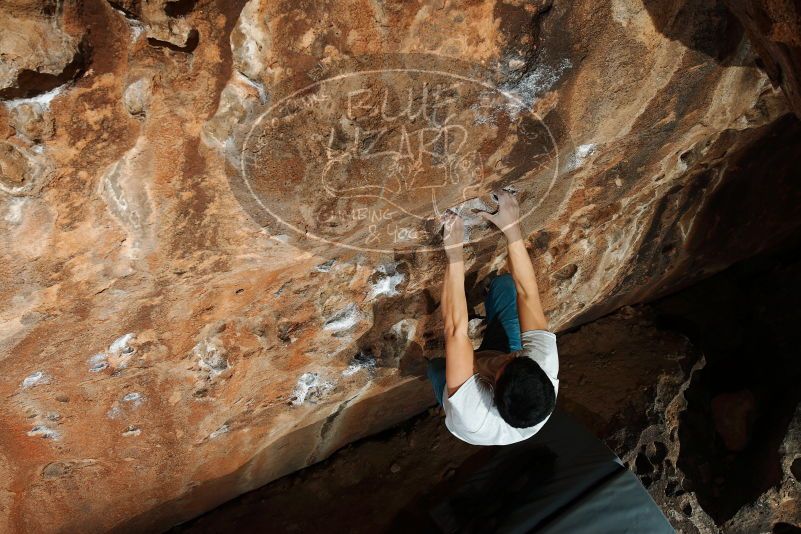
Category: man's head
[524,394]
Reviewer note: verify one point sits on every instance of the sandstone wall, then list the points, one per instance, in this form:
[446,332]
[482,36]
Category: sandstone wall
[165,347]
[774,29]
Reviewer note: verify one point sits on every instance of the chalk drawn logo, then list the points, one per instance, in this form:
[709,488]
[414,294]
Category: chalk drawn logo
[369,160]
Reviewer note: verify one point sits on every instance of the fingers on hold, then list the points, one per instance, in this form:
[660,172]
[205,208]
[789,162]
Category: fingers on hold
[449,220]
[449,213]
[445,231]
[446,218]
[500,195]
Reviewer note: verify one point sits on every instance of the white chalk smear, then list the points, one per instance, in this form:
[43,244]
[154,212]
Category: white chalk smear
[258,86]
[120,345]
[134,398]
[211,358]
[484,114]
[404,329]
[362,361]
[118,354]
[305,383]
[132,431]
[44,432]
[578,157]
[219,432]
[343,320]
[532,85]
[681,165]
[325,266]
[388,281]
[43,100]
[310,387]
[14,213]
[136,30]
[98,362]
[352,369]
[35,379]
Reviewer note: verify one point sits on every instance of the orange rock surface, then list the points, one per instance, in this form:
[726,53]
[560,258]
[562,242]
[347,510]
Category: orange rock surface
[167,345]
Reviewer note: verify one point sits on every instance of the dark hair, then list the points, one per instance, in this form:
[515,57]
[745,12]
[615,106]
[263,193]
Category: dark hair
[524,394]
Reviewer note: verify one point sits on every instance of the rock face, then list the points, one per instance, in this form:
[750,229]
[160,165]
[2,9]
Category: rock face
[716,437]
[169,343]
[671,386]
[774,28]
[38,54]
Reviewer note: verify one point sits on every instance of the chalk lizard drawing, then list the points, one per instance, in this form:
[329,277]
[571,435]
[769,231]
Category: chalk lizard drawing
[428,158]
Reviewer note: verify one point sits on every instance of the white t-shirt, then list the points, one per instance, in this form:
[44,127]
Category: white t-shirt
[471,414]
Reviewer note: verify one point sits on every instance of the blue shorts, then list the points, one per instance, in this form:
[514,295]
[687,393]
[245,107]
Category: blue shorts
[502,333]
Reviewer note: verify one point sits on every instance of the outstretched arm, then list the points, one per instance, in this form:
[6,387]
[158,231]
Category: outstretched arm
[529,307]
[458,347]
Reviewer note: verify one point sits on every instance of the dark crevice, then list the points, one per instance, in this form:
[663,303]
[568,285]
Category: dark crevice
[129,10]
[325,429]
[191,43]
[785,528]
[329,421]
[740,405]
[231,10]
[795,469]
[50,8]
[31,83]
[706,27]
[179,8]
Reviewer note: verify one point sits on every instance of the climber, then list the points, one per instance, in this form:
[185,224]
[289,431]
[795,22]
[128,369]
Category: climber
[505,391]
